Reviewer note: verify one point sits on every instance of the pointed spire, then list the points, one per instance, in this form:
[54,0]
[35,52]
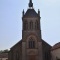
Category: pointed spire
[23,12]
[38,12]
[30,3]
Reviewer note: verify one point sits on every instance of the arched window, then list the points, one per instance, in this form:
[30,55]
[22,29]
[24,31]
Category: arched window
[36,25]
[47,55]
[31,25]
[31,43]
[17,56]
[25,25]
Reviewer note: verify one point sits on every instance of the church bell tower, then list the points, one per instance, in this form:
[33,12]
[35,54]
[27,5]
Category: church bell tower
[31,22]
[31,34]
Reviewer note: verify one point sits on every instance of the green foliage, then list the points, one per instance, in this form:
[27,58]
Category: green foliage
[4,51]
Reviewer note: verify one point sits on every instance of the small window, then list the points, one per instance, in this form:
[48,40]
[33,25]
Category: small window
[31,25]
[17,56]
[47,55]
[25,25]
[36,25]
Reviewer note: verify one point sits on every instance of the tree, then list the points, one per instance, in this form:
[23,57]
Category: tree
[4,51]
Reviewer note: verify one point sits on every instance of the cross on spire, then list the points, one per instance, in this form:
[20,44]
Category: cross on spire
[30,3]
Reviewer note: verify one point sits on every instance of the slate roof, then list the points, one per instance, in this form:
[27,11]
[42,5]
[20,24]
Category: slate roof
[31,13]
[46,43]
[56,46]
[19,42]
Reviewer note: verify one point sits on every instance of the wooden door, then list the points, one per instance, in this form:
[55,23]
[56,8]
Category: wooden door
[32,57]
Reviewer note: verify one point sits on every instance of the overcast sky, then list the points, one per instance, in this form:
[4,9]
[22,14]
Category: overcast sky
[11,21]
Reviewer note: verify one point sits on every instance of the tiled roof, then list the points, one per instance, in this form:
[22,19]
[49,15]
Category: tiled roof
[31,13]
[3,55]
[56,46]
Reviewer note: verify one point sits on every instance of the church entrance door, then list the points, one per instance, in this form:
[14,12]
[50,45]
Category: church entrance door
[32,57]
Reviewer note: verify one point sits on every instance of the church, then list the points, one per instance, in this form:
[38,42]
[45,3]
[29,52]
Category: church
[32,46]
